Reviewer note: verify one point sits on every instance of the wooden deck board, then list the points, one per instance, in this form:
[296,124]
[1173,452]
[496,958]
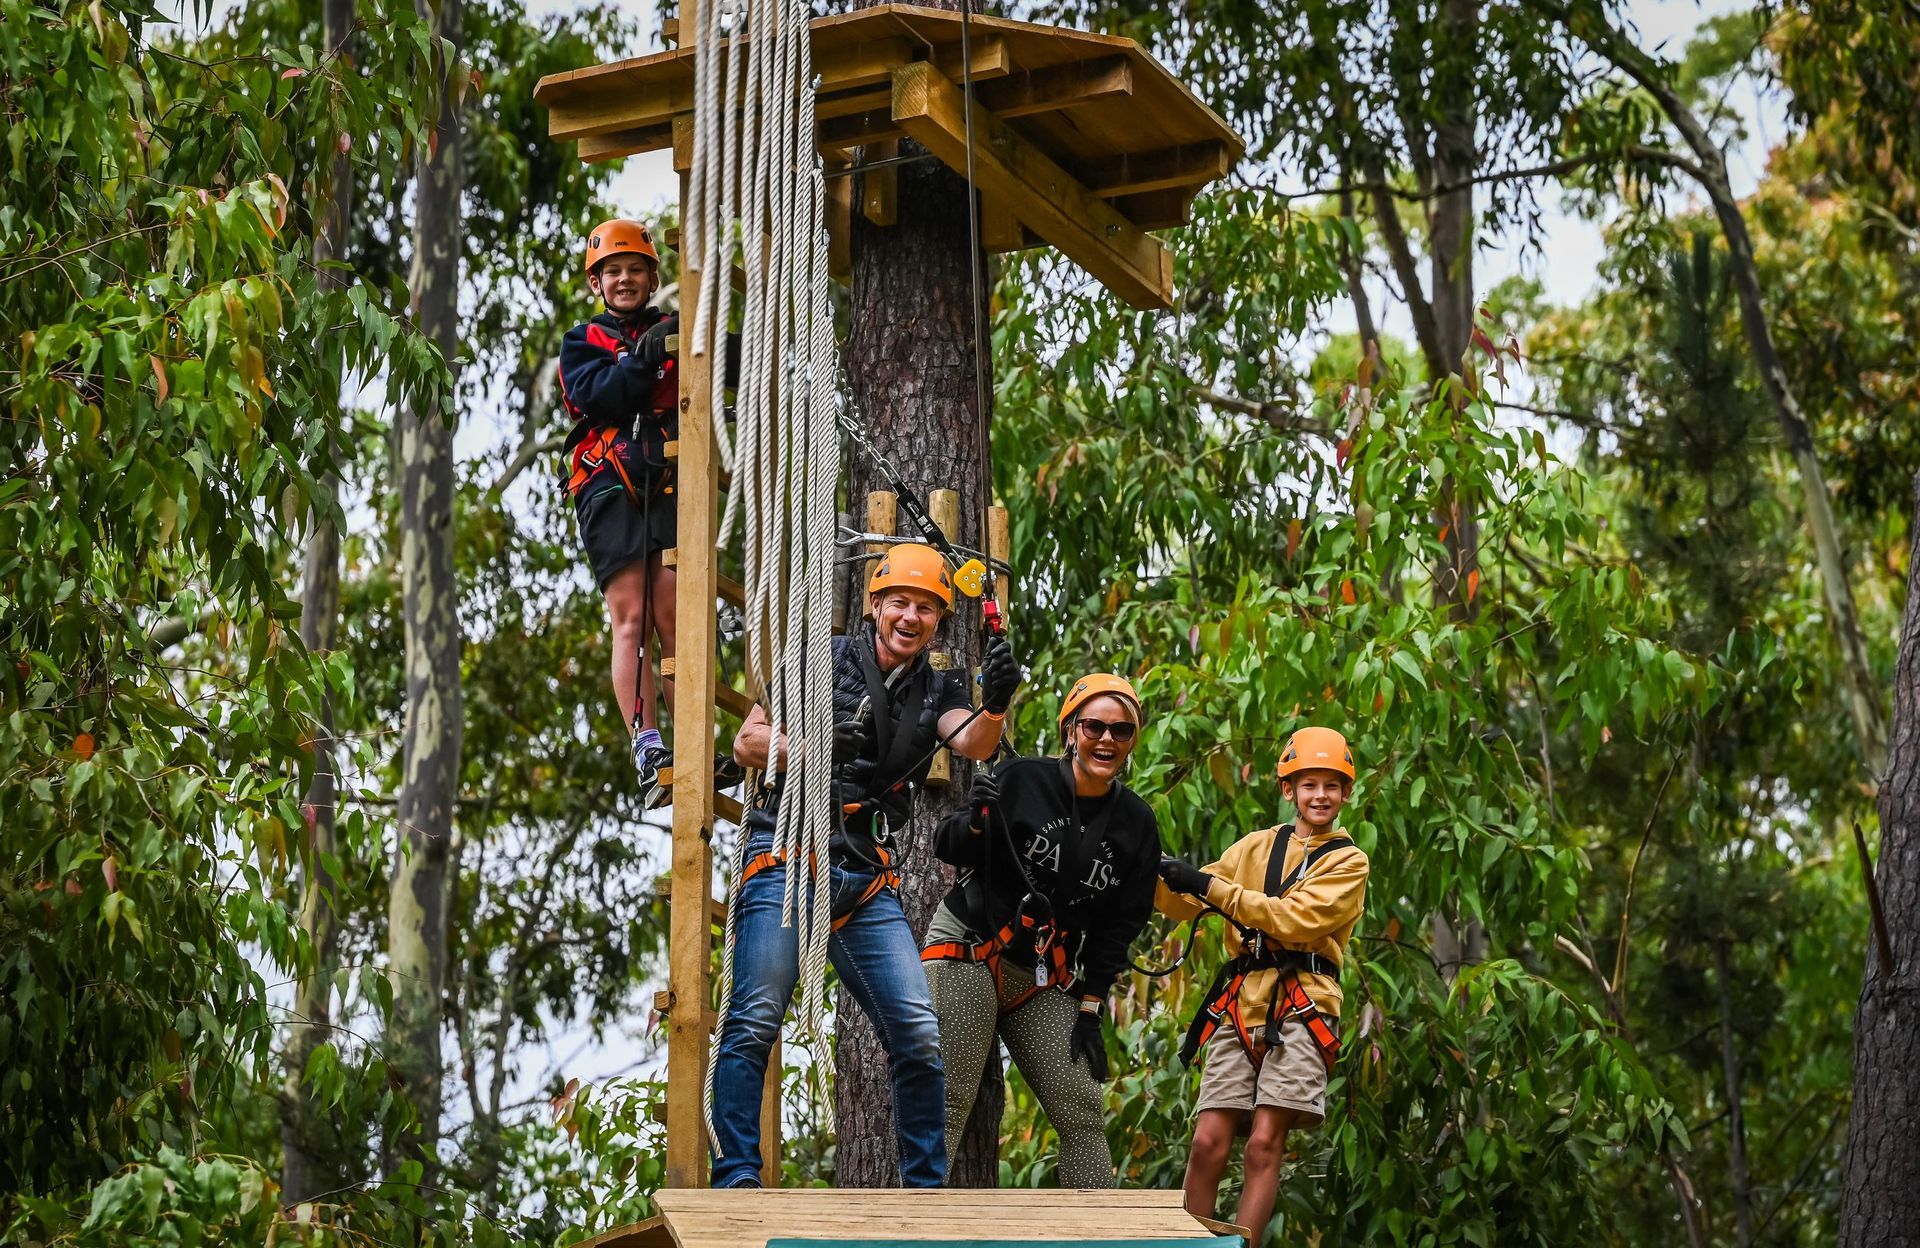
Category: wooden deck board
[748,1219]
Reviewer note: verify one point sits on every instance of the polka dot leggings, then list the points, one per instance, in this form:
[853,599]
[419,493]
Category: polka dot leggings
[1037,1036]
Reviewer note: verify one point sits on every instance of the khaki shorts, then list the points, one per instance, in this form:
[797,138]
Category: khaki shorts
[1293,1076]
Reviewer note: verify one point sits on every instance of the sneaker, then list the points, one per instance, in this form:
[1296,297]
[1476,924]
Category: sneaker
[730,622]
[727,771]
[648,761]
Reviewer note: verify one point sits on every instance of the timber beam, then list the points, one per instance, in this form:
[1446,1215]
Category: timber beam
[1045,198]
[619,119]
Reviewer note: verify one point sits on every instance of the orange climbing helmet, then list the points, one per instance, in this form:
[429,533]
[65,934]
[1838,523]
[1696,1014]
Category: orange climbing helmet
[1315,748]
[913,566]
[1099,684]
[620,237]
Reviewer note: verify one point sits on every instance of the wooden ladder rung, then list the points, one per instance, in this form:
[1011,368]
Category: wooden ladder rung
[731,590]
[673,457]
[726,697]
[725,805]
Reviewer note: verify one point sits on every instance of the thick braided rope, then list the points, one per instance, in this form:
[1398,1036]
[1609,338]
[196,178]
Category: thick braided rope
[819,470]
[786,461]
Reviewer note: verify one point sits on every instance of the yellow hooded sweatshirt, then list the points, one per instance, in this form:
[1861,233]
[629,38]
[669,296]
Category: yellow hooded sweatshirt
[1317,915]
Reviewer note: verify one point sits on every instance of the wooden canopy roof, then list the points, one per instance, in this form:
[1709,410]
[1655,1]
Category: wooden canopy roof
[1082,141]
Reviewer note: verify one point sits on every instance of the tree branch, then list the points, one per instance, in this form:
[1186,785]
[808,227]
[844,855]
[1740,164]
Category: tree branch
[1282,417]
[522,460]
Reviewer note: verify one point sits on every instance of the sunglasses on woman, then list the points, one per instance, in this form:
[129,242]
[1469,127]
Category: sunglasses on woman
[1093,729]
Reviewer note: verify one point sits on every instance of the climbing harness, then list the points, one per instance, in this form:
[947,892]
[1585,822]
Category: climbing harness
[888,877]
[1260,953]
[1052,966]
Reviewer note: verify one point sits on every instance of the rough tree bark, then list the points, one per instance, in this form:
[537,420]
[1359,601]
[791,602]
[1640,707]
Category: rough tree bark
[1880,1201]
[1708,169]
[311,1149]
[430,741]
[910,361]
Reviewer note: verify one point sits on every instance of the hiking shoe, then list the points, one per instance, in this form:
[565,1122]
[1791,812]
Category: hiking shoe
[727,771]
[730,622]
[648,761]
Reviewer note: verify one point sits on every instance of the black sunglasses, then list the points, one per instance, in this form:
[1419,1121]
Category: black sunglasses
[1121,732]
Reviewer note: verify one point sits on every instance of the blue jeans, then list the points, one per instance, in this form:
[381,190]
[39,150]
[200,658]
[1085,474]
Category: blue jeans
[878,960]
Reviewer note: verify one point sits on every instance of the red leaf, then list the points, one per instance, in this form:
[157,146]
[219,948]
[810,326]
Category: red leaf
[160,387]
[295,72]
[1444,530]
[1346,592]
[345,142]
[433,146]
[83,746]
[1341,451]
[1473,584]
[112,874]
[1293,536]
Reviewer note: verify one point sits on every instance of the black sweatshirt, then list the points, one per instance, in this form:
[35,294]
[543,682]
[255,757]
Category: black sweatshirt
[602,381]
[1102,894]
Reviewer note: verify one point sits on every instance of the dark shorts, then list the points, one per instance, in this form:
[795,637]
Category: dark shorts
[615,531]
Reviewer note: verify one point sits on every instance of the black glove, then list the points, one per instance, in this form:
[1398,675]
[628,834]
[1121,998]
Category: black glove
[985,793]
[1183,877]
[850,739]
[999,676]
[1089,1042]
[651,350]
[850,781]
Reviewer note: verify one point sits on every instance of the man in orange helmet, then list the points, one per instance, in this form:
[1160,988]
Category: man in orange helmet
[1268,1024]
[892,710]
[618,380]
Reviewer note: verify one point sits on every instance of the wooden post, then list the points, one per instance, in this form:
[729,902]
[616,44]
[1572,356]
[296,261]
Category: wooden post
[1000,551]
[770,1167]
[883,512]
[689,937]
[943,508]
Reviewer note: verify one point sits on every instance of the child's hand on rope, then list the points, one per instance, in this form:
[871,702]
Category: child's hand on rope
[999,677]
[1183,877]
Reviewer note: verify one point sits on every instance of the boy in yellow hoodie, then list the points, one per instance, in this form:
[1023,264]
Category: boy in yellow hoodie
[1268,1027]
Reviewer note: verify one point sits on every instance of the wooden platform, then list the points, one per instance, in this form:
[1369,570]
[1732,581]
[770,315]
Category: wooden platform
[1082,141]
[698,1218]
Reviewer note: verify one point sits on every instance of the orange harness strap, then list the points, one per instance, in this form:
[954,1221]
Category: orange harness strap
[1292,1001]
[1051,967]
[885,879]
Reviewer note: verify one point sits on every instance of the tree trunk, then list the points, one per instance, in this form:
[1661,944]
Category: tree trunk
[1736,1117]
[1880,1203]
[430,741]
[910,360]
[312,1156]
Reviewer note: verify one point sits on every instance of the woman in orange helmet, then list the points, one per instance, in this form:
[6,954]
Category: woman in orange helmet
[1057,862]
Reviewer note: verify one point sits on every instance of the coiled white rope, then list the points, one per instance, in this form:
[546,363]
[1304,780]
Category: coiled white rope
[759,188]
